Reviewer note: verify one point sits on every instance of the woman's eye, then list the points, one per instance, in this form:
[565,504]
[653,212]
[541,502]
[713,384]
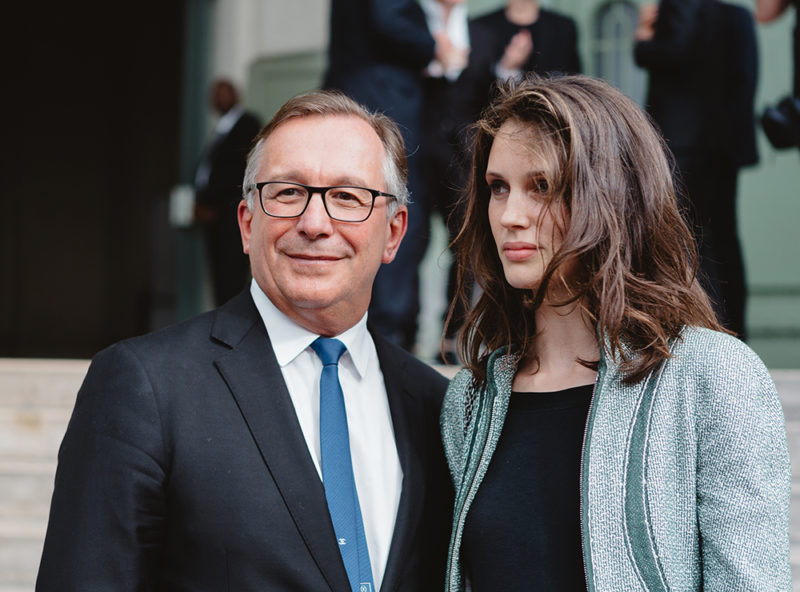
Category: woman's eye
[498,188]
[542,186]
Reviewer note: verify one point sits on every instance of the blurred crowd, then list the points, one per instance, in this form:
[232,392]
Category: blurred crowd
[433,69]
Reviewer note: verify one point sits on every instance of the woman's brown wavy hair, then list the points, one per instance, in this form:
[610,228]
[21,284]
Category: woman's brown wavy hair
[636,258]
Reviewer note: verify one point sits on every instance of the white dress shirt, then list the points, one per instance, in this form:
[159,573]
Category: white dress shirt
[376,465]
[455,27]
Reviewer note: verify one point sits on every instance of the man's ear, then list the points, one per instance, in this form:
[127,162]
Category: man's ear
[398,224]
[245,217]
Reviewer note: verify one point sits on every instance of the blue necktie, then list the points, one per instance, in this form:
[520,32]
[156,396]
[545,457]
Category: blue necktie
[337,468]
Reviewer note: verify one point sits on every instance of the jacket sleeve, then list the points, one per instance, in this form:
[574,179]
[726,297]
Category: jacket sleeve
[401,31]
[678,34]
[743,478]
[108,507]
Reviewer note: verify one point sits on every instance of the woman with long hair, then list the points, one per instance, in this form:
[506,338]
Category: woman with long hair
[605,433]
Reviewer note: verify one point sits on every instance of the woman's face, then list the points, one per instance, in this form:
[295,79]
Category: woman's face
[526,228]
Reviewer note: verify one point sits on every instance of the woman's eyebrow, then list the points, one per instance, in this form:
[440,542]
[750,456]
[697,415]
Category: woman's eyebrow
[535,175]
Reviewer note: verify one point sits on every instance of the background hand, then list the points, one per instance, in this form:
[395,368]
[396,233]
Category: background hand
[448,55]
[648,16]
[517,51]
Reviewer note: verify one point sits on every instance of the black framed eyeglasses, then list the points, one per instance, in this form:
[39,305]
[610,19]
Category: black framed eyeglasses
[345,203]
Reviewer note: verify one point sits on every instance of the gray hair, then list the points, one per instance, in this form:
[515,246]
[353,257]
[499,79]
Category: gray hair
[326,102]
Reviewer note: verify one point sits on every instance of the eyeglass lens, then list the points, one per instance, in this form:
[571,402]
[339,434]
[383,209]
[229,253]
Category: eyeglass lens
[349,204]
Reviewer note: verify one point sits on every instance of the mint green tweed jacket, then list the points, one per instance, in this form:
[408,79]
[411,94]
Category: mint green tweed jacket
[685,476]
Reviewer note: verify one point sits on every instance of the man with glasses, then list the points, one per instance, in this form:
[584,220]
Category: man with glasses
[275,443]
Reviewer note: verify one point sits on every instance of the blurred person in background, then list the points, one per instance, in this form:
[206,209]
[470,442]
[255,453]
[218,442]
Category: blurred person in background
[377,52]
[218,189]
[523,37]
[781,123]
[702,60]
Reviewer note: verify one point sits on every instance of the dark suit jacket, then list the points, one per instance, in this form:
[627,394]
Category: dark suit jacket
[737,59]
[226,158]
[555,45]
[703,68]
[184,468]
[376,54]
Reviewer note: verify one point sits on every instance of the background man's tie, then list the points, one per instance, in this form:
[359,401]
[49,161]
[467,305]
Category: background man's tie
[337,468]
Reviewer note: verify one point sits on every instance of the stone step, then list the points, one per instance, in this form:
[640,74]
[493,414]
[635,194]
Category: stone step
[25,491]
[19,562]
[23,528]
[32,433]
[788,383]
[29,384]
[26,487]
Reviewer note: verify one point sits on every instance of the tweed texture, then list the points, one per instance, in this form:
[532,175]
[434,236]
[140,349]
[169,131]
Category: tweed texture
[685,477]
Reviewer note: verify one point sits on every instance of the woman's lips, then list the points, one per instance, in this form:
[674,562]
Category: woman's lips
[519,251]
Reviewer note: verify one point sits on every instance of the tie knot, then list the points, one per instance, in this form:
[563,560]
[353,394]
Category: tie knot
[329,350]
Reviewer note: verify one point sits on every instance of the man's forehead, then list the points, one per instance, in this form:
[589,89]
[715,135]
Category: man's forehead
[324,140]
[352,124]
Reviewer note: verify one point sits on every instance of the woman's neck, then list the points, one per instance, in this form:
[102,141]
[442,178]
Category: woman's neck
[522,12]
[563,337]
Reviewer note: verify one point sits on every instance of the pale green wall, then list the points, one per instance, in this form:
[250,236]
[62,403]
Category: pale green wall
[274,80]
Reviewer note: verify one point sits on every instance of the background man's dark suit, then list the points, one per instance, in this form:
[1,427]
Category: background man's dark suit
[555,44]
[225,158]
[184,468]
[377,51]
[703,69]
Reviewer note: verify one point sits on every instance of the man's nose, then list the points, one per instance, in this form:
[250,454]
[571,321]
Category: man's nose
[315,222]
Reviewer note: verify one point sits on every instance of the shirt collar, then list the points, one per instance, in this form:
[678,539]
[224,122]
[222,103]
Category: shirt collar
[289,339]
[227,121]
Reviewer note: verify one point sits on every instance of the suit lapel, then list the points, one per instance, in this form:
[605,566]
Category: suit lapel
[406,419]
[255,380]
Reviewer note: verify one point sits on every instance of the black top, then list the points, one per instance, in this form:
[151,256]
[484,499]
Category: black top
[523,528]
